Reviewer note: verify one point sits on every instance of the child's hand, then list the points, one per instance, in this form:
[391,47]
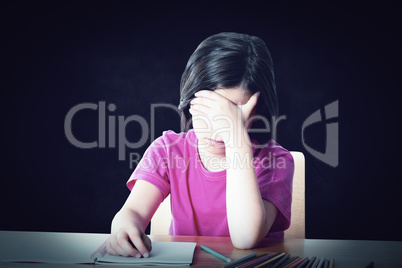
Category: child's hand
[129,241]
[222,113]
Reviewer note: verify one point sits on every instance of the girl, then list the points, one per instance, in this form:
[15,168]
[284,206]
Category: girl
[223,179]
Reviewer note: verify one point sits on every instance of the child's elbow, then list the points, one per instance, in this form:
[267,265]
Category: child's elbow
[244,245]
[245,242]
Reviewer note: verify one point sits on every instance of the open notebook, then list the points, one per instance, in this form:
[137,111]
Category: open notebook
[163,253]
[84,248]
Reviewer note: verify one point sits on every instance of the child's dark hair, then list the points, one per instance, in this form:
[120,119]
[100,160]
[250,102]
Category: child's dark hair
[227,60]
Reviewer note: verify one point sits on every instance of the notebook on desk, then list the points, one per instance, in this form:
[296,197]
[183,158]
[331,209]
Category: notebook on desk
[163,253]
[84,248]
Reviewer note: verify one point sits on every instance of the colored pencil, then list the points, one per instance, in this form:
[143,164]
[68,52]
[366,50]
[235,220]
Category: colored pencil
[321,263]
[242,259]
[257,260]
[311,262]
[302,264]
[282,260]
[290,262]
[216,254]
[315,264]
[331,263]
[296,263]
[271,260]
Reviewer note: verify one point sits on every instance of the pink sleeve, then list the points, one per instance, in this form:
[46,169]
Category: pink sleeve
[153,168]
[275,178]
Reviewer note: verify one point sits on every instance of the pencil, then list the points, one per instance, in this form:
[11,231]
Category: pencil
[301,264]
[282,260]
[265,263]
[257,260]
[216,254]
[311,262]
[315,264]
[321,263]
[242,259]
[331,263]
[290,262]
[293,263]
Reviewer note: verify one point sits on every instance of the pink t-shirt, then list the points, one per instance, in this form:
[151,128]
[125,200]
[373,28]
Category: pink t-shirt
[198,196]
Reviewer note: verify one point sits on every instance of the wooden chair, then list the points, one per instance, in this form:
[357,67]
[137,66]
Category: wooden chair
[160,222]
[297,227]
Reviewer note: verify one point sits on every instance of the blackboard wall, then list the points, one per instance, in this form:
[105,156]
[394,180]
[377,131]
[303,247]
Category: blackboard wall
[124,57]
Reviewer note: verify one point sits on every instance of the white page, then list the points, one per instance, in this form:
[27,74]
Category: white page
[163,253]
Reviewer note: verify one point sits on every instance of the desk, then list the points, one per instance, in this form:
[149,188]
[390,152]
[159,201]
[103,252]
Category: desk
[347,253]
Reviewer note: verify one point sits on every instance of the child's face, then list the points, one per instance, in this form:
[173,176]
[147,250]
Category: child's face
[207,140]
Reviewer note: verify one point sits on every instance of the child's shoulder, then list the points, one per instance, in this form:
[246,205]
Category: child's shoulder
[272,154]
[272,148]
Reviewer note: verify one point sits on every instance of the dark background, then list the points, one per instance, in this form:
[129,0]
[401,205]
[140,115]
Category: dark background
[57,55]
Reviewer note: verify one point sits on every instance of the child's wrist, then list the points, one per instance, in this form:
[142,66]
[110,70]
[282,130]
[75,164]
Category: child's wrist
[239,154]
[239,138]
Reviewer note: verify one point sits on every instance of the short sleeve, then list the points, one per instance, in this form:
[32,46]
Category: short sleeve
[153,168]
[275,177]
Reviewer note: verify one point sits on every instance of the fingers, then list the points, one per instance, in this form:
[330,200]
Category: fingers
[136,244]
[110,249]
[208,103]
[147,242]
[205,100]
[249,106]
[138,241]
[119,246]
[200,106]
[202,101]
[208,94]
[113,247]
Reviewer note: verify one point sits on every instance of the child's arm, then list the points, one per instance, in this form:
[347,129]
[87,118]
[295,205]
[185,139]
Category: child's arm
[129,223]
[249,216]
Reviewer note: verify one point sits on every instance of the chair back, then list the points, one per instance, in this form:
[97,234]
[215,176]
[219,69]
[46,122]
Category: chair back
[297,227]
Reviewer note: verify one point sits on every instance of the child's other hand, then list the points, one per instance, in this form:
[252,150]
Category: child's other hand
[129,241]
[222,113]
[248,108]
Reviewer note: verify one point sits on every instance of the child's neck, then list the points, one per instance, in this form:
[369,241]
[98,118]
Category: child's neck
[212,162]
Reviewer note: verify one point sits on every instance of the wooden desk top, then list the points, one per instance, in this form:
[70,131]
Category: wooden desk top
[347,253]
